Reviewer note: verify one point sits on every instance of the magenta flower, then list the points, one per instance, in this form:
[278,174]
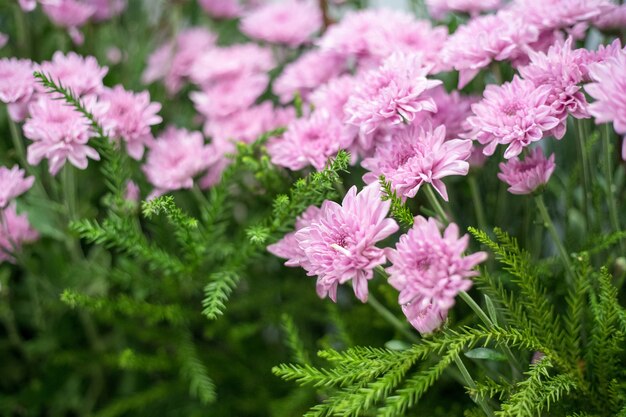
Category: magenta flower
[414,156]
[392,94]
[439,8]
[13,184]
[609,91]
[175,158]
[131,115]
[80,74]
[17,83]
[309,141]
[514,114]
[15,230]
[429,270]
[340,245]
[291,22]
[229,95]
[526,176]
[310,71]
[559,70]
[288,246]
[59,133]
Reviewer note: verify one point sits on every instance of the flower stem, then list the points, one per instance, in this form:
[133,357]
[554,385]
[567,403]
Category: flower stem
[585,167]
[608,173]
[547,222]
[469,381]
[432,199]
[391,318]
[478,203]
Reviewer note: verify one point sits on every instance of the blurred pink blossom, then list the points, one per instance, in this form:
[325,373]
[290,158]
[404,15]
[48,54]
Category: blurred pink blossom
[13,184]
[15,230]
[524,177]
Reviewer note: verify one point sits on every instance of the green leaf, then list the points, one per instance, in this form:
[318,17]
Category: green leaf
[485,353]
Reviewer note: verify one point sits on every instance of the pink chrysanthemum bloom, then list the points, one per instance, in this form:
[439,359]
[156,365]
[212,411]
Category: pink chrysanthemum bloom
[132,193]
[557,14]
[391,94]
[334,95]
[609,91]
[499,37]
[288,246]
[309,141]
[414,156]
[614,18]
[175,158]
[229,95]
[222,9]
[584,57]
[558,69]
[439,8]
[80,74]
[70,14]
[4,38]
[131,115]
[340,245]
[106,9]
[233,61]
[59,133]
[291,23]
[15,230]
[13,184]
[429,269]
[526,176]
[311,70]
[425,320]
[453,109]
[17,82]
[514,114]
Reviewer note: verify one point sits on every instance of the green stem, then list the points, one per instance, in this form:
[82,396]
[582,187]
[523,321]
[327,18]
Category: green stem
[547,222]
[582,153]
[391,318]
[469,381]
[434,202]
[610,190]
[69,191]
[478,203]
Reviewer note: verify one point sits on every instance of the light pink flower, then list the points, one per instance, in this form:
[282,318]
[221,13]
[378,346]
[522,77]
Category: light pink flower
[499,37]
[614,18]
[334,95]
[424,319]
[526,176]
[414,156]
[288,246]
[132,194]
[217,64]
[557,14]
[391,94]
[514,114]
[159,63]
[131,115]
[106,9]
[584,57]
[453,109]
[439,8]
[13,184]
[175,158]
[559,70]
[4,38]
[28,5]
[59,133]
[291,22]
[309,141]
[311,70]
[229,95]
[70,14]
[15,230]
[17,82]
[609,91]
[429,269]
[80,74]
[222,9]
[340,245]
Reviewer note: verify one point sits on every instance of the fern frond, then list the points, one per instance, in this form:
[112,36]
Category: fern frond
[293,340]
[200,384]
[216,292]
[398,209]
[130,360]
[134,402]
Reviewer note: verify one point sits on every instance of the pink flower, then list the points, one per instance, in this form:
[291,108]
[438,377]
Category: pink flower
[453,109]
[526,176]
[340,245]
[414,156]
[614,18]
[609,91]
[334,95]
[221,9]
[309,141]
[429,270]
[425,319]
[106,9]
[15,230]
[131,115]
[4,38]
[556,14]
[17,82]
[499,37]
[175,158]
[229,95]
[70,14]
[391,94]
[439,8]
[311,70]
[514,114]
[217,64]
[80,74]
[558,69]
[584,57]
[59,133]
[132,194]
[13,184]
[291,23]
[288,247]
